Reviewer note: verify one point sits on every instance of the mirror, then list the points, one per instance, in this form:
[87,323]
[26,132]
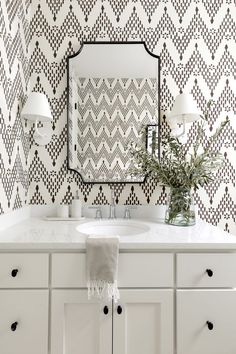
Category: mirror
[113,93]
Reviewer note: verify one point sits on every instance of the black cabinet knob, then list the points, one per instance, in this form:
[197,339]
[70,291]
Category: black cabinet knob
[105,310]
[209,272]
[119,310]
[14,326]
[210,325]
[14,272]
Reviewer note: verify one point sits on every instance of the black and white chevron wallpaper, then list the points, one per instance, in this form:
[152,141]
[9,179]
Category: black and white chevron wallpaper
[14,79]
[197,44]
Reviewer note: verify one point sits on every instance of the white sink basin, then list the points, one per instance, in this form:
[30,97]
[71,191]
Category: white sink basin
[116,227]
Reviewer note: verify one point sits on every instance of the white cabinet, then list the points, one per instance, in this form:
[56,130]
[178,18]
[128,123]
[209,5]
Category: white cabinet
[206,321]
[206,313]
[175,302]
[143,320]
[79,325]
[24,305]
[23,321]
[141,323]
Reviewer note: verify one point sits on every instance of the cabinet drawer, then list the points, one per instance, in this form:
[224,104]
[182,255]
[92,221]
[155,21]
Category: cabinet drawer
[23,270]
[197,307]
[206,270]
[135,270]
[24,321]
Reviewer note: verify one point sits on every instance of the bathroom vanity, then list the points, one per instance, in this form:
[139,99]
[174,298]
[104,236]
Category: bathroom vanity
[176,286]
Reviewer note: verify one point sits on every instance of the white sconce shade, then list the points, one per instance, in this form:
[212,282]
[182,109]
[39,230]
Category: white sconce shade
[184,110]
[37,109]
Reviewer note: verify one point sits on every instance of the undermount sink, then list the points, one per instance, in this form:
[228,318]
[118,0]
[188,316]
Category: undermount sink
[116,227]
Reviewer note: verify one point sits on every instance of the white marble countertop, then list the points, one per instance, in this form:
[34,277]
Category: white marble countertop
[39,234]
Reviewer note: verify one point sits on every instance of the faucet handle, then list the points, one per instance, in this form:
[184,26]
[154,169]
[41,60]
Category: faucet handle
[98,209]
[113,195]
[127,211]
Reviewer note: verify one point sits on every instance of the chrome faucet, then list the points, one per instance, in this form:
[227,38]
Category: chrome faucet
[127,211]
[112,214]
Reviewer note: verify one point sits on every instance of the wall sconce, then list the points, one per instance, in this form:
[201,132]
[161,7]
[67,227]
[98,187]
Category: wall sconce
[184,111]
[37,109]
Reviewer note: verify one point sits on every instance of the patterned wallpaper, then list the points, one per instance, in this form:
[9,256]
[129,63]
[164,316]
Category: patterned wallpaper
[14,78]
[196,42]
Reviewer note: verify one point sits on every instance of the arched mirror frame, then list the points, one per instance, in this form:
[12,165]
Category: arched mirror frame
[158,106]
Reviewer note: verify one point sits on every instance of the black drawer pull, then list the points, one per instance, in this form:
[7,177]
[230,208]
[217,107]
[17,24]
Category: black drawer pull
[210,325]
[209,272]
[14,272]
[119,310]
[14,326]
[105,310]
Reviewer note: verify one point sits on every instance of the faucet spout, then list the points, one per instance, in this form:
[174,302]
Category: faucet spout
[112,213]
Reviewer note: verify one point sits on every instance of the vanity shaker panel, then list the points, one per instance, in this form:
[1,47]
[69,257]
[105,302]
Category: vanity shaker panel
[24,321]
[143,322]
[205,270]
[206,321]
[68,270]
[151,270]
[134,270]
[79,325]
[24,270]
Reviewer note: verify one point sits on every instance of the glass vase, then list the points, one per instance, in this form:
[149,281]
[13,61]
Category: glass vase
[180,209]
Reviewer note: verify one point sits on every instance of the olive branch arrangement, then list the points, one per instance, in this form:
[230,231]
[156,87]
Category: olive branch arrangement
[179,169]
[176,167]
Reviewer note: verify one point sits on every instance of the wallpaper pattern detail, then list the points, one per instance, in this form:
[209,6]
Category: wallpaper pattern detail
[196,42]
[14,78]
[107,115]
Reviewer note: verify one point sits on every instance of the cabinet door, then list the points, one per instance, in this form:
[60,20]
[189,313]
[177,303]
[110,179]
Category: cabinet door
[197,307]
[23,321]
[143,322]
[79,325]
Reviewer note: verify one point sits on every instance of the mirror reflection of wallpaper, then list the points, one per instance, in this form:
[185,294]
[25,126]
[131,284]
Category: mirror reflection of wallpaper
[110,115]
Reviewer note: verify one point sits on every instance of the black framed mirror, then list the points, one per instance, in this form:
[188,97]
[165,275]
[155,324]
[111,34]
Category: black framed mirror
[113,92]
